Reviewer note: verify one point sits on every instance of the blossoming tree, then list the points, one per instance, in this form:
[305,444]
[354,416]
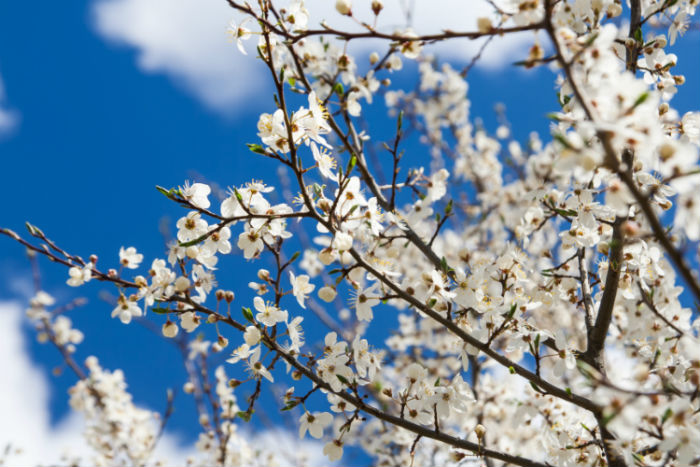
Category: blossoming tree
[567,265]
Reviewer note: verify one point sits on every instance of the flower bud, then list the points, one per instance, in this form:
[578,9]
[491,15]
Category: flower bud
[188,388]
[377,6]
[229,296]
[192,251]
[614,10]
[480,431]
[327,294]
[344,7]
[170,329]
[373,58]
[182,284]
[264,275]
[326,256]
[141,281]
[484,24]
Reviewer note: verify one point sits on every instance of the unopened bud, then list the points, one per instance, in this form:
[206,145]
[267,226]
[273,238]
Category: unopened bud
[93,259]
[229,296]
[480,431]
[373,58]
[220,295]
[327,294]
[192,251]
[170,329]
[181,284]
[377,6]
[630,228]
[484,24]
[188,388]
[344,7]
[264,275]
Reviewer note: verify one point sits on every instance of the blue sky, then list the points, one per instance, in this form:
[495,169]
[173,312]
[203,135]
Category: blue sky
[98,126]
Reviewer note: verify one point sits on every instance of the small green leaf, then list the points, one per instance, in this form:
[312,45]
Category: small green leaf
[339,89]
[351,164]
[256,148]
[640,100]
[160,310]
[248,314]
[511,370]
[666,416]
[245,416]
[164,192]
[638,35]
[290,405]
[343,380]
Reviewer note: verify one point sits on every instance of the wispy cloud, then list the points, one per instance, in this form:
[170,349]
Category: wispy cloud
[186,39]
[8,117]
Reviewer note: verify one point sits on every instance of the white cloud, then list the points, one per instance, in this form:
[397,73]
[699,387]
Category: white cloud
[8,118]
[186,39]
[25,422]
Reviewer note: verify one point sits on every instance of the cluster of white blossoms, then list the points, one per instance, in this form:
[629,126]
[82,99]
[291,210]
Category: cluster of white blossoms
[513,302]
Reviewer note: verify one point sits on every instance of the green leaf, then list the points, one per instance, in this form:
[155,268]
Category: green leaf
[161,310]
[351,164]
[256,148]
[290,405]
[245,416]
[239,197]
[513,307]
[644,96]
[294,257]
[339,89]
[343,380]
[638,35]
[248,314]
[164,192]
[193,242]
[511,370]
[666,416]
